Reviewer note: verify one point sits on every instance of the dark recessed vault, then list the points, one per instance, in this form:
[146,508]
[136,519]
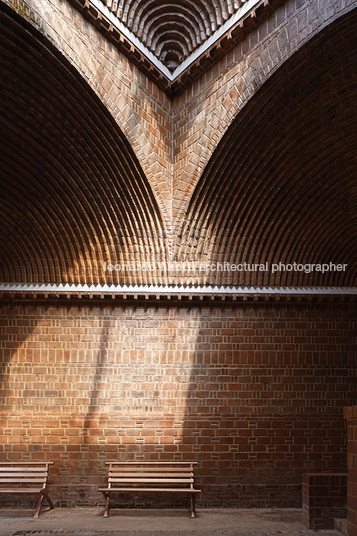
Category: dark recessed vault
[282,185]
[73,196]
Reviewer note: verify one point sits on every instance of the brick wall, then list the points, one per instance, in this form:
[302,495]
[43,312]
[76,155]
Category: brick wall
[351,416]
[324,498]
[255,393]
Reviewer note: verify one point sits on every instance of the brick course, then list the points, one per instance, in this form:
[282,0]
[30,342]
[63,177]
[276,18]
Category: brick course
[255,393]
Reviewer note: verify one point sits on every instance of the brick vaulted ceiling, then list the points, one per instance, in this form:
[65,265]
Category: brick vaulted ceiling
[73,195]
[281,185]
[173,30]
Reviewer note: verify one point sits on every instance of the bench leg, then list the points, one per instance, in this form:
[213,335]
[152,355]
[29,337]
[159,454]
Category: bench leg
[37,513]
[47,497]
[192,495]
[107,499]
[44,495]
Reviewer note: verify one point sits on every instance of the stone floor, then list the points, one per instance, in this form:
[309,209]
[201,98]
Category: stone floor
[209,522]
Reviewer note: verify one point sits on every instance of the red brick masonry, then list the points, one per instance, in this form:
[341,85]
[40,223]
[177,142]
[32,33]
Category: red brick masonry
[323,499]
[254,392]
[351,416]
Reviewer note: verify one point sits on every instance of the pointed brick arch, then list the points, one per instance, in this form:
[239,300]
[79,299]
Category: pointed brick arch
[126,93]
[203,113]
[73,194]
[281,185]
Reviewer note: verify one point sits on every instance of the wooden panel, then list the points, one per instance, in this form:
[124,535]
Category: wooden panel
[176,490]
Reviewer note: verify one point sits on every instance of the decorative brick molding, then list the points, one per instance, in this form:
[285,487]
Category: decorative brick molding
[324,499]
[182,293]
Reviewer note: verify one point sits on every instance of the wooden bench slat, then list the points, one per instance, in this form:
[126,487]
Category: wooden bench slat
[152,480]
[151,463]
[150,475]
[23,480]
[151,469]
[27,464]
[22,476]
[171,490]
[23,470]
[20,490]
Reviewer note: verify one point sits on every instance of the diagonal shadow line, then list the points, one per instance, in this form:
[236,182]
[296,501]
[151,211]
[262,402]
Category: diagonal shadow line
[102,353]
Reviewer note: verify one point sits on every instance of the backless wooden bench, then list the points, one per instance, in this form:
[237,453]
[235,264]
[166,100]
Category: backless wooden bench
[26,477]
[150,477]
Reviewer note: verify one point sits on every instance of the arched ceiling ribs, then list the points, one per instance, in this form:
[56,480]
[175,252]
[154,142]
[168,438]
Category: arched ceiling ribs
[161,41]
[79,199]
[67,207]
[193,21]
[19,259]
[178,31]
[199,27]
[281,185]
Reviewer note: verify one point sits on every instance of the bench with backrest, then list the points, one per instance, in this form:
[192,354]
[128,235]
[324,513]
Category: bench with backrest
[150,477]
[26,477]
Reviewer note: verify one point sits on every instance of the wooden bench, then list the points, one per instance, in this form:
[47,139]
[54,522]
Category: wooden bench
[26,477]
[150,477]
